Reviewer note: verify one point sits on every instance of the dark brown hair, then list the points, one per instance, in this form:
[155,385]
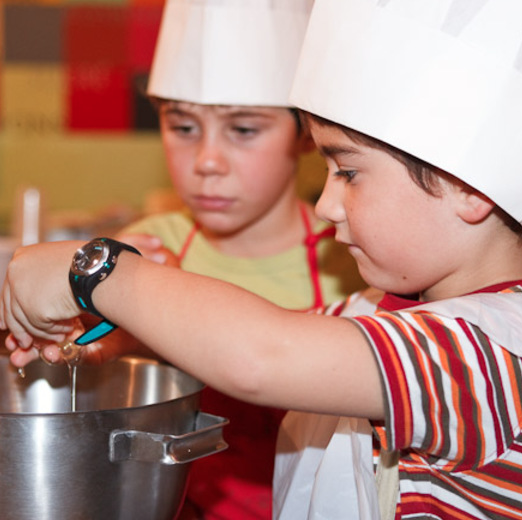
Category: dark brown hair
[424,174]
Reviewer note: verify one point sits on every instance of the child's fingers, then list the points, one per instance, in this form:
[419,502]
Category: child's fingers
[141,241]
[10,343]
[151,247]
[51,354]
[170,259]
[14,320]
[2,320]
[20,357]
[24,331]
[25,328]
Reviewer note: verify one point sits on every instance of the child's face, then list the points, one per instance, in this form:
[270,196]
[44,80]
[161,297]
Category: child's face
[401,237]
[231,165]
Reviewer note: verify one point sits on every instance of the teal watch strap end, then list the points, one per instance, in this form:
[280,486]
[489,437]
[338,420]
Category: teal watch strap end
[97,332]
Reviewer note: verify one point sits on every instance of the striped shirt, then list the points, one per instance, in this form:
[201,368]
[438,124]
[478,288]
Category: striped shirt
[454,410]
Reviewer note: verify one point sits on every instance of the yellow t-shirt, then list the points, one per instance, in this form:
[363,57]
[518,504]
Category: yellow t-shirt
[283,278]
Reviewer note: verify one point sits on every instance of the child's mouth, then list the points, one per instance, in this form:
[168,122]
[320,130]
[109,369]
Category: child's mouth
[212,203]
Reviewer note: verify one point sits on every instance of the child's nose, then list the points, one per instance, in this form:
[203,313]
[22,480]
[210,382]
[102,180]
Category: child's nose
[211,159]
[329,207]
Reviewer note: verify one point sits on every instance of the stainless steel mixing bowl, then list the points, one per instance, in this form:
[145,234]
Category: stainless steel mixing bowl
[123,455]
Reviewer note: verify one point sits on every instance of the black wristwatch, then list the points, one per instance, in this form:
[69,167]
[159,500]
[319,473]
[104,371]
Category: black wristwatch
[92,264]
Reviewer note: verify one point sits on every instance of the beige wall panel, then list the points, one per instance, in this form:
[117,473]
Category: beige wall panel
[32,99]
[82,172]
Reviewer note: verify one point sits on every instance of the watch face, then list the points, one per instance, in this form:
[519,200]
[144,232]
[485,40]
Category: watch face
[90,258]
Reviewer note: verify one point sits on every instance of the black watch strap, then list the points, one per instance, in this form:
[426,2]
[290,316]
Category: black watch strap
[84,283]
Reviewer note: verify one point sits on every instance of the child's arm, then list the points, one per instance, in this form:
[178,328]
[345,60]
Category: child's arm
[119,342]
[226,336]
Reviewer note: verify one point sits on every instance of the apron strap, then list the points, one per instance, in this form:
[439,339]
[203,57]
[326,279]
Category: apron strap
[188,241]
[310,242]
[387,480]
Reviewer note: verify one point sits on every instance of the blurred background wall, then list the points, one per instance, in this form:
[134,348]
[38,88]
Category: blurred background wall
[73,119]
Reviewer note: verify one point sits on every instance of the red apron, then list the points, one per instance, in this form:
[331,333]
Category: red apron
[237,483]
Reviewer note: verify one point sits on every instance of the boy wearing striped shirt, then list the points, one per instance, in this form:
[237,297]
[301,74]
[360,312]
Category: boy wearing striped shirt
[418,112]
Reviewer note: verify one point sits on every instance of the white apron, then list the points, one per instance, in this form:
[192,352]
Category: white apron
[324,467]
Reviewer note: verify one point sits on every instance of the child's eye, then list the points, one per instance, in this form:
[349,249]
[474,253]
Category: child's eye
[183,129]
[346,174]
[245,131]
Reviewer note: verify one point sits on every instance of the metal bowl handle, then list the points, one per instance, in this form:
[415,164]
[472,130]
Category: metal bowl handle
[206,439]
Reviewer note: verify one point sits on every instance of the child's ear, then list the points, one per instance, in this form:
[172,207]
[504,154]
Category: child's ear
[473,206]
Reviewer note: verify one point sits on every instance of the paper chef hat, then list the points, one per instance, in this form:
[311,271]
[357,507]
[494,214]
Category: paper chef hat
[439,79]
[229,52]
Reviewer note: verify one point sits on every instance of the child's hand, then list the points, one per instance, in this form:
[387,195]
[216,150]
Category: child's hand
[117,343]
[151,247]
[49,351]
[39,310]
[35,306]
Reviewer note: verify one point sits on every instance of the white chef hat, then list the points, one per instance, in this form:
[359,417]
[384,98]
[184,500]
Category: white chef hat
[229,52]
[439,79]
